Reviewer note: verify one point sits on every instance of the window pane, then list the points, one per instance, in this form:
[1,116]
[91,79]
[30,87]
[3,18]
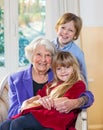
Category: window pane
[31,24]
[2,33]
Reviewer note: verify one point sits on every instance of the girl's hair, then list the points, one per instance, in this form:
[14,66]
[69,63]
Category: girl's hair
[64,59]
[29,49]
[67,17]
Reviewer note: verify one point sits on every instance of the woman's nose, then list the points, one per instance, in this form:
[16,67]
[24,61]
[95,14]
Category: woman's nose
[43,57]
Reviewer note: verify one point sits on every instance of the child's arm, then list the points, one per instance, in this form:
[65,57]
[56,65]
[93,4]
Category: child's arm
[31,102]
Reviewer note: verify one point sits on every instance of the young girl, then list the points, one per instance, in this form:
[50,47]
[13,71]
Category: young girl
[67,83]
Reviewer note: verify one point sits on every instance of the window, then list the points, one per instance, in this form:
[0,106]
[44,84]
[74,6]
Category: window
[31,14]
[31,21]
[24,20]
[20,22]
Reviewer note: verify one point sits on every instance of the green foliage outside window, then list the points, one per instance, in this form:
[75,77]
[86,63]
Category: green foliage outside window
[31,24]
[1,37]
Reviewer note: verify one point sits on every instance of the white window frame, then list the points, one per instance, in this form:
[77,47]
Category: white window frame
[10,37]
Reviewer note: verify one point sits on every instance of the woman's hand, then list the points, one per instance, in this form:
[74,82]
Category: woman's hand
[65,105]
[46,102]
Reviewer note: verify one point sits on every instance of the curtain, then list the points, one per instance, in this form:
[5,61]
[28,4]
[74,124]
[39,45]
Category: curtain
[69,6]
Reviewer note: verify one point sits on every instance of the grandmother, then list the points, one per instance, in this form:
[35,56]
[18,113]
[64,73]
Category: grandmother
[26,83]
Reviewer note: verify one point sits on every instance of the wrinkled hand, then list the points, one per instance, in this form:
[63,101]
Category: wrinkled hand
[46,102]
[65,105]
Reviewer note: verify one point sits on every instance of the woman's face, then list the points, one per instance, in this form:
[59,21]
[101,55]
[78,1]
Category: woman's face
[42,59]
[66,32]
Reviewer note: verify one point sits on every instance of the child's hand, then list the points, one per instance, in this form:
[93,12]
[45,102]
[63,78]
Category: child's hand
[31,102]
[24,105]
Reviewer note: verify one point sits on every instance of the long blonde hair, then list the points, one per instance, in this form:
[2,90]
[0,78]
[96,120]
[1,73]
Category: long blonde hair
[64,59]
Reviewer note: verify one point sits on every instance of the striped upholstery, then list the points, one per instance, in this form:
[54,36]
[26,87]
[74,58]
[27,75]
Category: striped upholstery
[4,103]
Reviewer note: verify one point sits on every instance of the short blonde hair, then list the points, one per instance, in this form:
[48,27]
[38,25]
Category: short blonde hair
[67,17]
[29,49]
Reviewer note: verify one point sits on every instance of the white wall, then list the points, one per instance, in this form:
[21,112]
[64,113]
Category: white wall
[91,12]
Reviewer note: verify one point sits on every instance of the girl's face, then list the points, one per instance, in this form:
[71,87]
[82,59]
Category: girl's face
[66,32]
[42,59]
[63,73]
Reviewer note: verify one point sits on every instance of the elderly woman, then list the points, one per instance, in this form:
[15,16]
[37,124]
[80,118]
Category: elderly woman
[26,83]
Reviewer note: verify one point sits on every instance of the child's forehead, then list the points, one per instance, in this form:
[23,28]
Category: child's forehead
[63,64]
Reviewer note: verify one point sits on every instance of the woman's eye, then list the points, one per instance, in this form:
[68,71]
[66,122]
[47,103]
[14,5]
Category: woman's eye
[38,54]
[48,55]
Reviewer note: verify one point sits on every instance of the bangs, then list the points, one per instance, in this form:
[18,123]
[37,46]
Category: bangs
[63,61]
